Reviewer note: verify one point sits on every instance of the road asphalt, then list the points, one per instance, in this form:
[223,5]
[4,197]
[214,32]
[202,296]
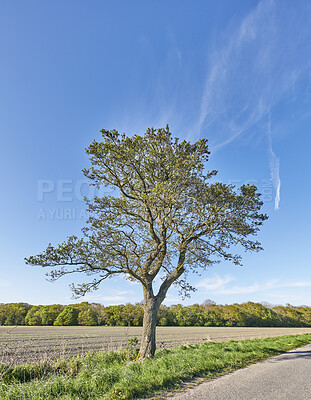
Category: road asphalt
[284,377]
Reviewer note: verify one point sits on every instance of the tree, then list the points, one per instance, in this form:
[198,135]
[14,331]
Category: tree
[50,313]
[13,313]
[258,315]
[87,317]
[67,317]
[233,316]
[33,316]
[164,214]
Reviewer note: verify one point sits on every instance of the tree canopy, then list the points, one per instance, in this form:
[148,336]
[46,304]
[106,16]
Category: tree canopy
[164,213]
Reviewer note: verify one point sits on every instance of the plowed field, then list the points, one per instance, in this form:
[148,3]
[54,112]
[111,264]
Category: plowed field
[30,343]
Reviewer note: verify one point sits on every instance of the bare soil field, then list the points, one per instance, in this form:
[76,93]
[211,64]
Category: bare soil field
[23,344]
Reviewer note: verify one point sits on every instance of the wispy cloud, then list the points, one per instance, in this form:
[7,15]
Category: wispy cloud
[222,285]
[216,283]
[171,299]
[118,297]
[256,65]
[275,169]
[257,62]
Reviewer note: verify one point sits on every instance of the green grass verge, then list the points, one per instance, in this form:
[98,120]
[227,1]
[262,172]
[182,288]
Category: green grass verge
[111,375]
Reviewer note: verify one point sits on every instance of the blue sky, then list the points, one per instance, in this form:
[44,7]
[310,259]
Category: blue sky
[237,73]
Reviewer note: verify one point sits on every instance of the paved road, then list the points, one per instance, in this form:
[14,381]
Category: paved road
[284,377]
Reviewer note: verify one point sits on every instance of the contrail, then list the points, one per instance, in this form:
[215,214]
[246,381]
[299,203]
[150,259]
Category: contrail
[274,169]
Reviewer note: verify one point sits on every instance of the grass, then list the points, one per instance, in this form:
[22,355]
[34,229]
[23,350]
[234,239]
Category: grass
[116,375]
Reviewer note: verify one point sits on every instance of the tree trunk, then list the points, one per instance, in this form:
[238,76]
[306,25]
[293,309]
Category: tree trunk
[151,307]
[148,343]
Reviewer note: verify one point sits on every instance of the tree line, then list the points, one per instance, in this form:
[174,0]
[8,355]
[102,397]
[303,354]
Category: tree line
[206,314]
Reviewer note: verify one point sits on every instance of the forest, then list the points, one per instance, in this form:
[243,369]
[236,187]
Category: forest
[207,314]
